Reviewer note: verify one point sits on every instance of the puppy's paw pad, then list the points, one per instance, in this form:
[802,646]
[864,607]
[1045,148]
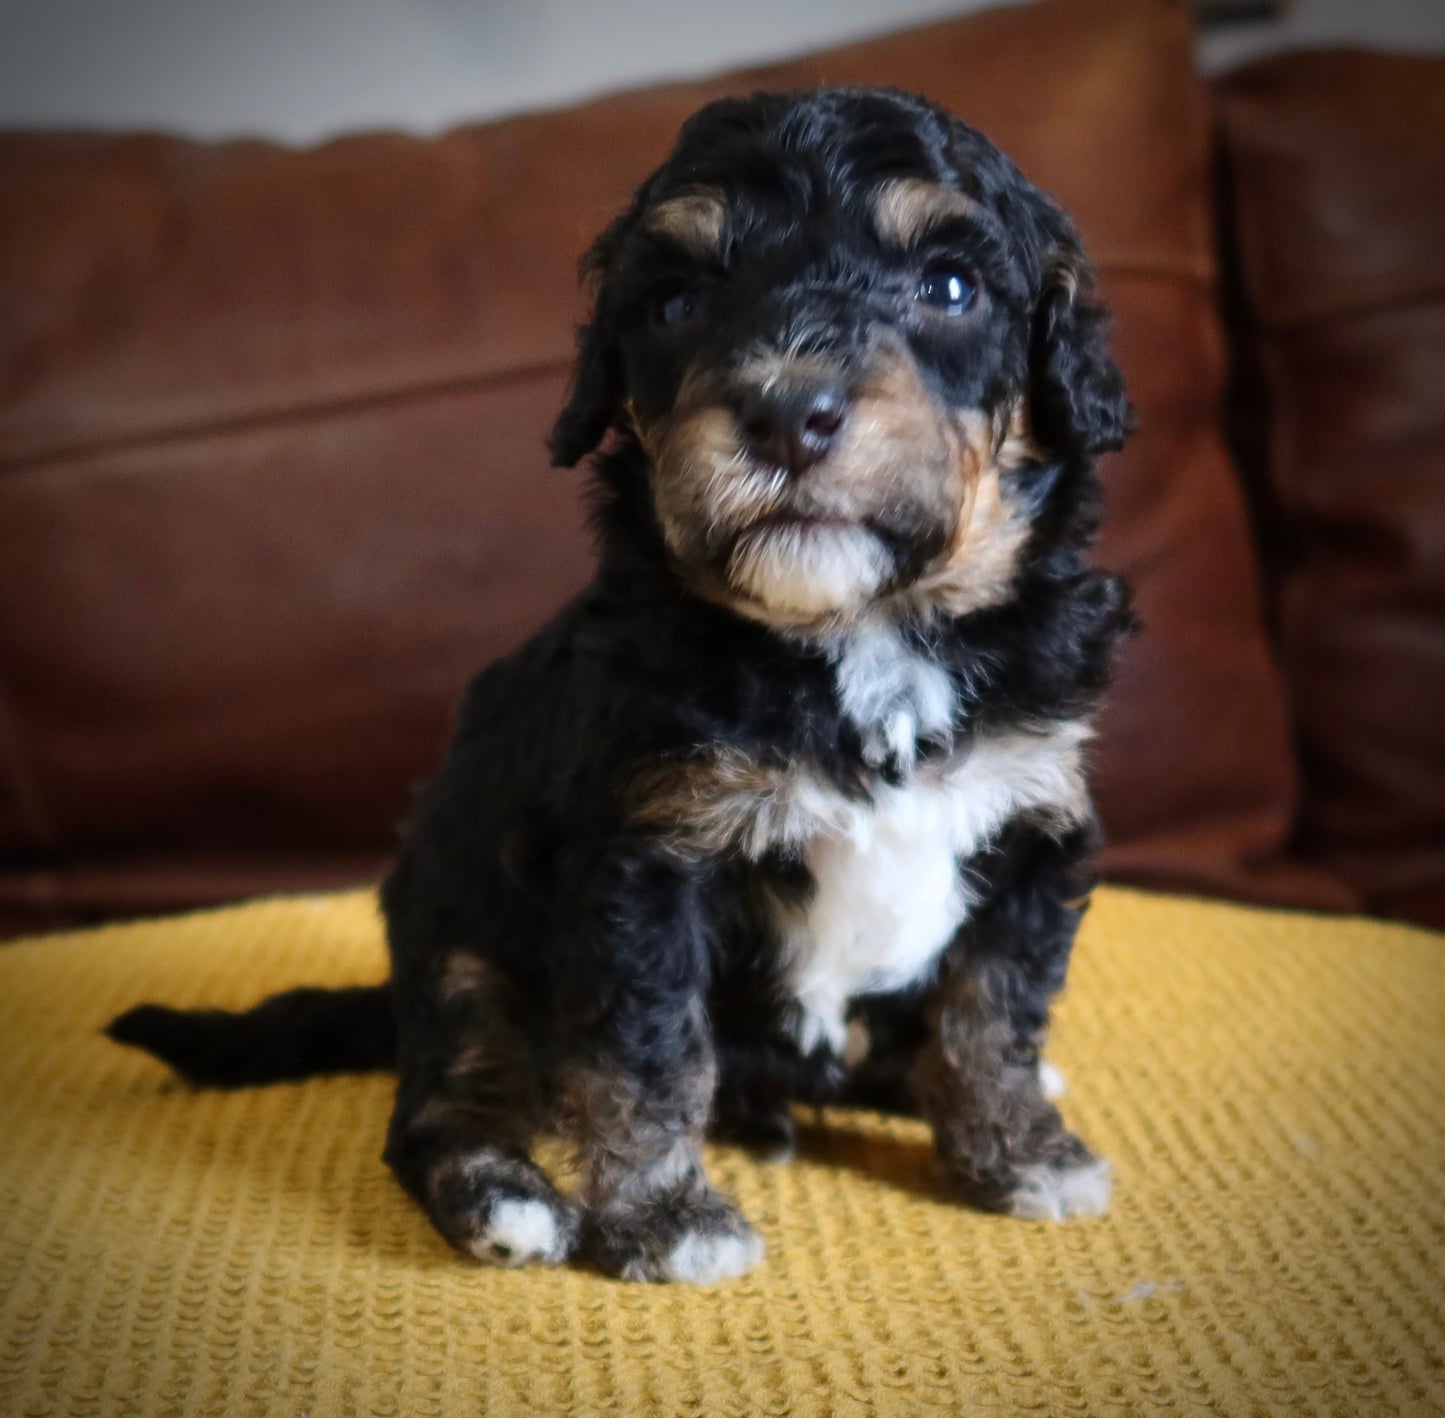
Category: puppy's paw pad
[520,1230]
[705,1257]
[1057,1192]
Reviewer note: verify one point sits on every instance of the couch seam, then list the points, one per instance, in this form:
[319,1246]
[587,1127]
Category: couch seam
[270,417]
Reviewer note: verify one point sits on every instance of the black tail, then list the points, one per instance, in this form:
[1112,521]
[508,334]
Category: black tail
[293,1035]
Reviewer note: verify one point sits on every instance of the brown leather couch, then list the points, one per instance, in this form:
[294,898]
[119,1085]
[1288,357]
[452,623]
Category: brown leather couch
[273,485]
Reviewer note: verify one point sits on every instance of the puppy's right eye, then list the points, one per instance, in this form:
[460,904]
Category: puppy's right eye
[946,289]
[673,309]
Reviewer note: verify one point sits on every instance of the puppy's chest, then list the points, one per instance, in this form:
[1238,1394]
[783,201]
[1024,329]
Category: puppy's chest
[885,898]
[887,893]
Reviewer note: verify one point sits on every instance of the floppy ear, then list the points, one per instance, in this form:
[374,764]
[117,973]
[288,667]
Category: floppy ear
[1077,403]
[1077,399]
[596,395]
[595,398]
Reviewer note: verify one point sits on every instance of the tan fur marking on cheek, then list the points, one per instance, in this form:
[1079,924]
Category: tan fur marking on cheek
[982,560]
[985,557]
[906,208]
[704,483]
[695,220]
[667,435]
[894,399]
[895,444]
[1018,448]
[699,390]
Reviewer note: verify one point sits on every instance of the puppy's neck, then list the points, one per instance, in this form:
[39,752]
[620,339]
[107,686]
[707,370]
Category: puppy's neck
[897,695]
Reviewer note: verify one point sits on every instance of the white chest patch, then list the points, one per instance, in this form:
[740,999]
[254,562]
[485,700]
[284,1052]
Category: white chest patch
[888,894]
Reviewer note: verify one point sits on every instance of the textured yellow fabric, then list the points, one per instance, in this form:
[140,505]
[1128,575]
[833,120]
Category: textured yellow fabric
[1269,1087]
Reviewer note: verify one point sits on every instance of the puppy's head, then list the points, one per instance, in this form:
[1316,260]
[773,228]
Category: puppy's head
[847,333]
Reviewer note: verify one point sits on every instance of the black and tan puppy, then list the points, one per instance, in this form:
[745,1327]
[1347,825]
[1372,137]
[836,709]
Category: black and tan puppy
[791,802]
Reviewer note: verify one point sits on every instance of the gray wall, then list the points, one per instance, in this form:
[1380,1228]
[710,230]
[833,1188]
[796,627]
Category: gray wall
[304,69]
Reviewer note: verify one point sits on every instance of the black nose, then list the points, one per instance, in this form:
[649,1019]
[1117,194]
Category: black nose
[793,423]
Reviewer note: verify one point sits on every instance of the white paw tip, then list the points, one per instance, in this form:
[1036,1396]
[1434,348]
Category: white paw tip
[1052,1080]
[520,1229]
[1058,1193]
[704,1257]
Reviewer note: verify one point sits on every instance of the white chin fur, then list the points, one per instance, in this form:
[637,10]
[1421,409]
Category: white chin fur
[802,569]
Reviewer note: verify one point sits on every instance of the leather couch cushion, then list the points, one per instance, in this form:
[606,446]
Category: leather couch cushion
[272,483]
[1336,174]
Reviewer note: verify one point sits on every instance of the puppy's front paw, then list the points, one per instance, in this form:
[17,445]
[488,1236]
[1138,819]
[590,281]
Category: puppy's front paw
[704,1257]
[1035,1169]
[700,1241]
[1058,1191]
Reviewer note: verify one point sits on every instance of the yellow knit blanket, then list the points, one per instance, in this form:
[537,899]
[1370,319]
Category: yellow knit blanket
[1270,1087]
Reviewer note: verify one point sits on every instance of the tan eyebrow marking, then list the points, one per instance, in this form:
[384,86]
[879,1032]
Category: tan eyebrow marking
[906,207]
[694,220]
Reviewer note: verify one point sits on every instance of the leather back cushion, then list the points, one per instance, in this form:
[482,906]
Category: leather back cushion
[272,479]
[1336,174]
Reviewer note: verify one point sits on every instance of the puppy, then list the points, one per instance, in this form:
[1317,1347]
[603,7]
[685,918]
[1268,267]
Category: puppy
[790,803]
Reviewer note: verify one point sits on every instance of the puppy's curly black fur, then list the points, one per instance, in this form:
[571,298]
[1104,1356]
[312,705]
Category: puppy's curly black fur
[790,803]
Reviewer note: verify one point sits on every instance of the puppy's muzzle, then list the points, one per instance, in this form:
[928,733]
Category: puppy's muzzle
[792,424]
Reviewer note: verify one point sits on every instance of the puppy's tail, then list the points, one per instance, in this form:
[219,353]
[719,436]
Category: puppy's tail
[292,1035]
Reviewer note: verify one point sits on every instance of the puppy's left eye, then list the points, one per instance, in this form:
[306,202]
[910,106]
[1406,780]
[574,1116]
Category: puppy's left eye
[946,289]
[673,309]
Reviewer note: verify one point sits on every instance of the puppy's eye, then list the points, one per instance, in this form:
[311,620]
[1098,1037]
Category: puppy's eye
[673,309]
[946,289]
